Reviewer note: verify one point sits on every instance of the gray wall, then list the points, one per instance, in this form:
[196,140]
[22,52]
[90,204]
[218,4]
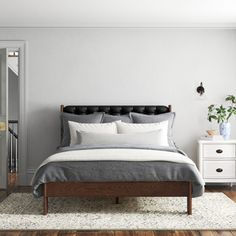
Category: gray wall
[125,66]
[13,95]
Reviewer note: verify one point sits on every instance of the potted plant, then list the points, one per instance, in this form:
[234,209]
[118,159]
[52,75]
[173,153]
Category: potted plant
[222,115]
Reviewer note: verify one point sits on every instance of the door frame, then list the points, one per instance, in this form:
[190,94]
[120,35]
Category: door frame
[23,110]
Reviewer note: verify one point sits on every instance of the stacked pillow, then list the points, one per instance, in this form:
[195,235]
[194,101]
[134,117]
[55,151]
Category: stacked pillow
[105,128]
[66,117]
[161,128]
[110,118]
[170,117]
[102,129]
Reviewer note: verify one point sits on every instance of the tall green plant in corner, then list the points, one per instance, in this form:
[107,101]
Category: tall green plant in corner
[222,114]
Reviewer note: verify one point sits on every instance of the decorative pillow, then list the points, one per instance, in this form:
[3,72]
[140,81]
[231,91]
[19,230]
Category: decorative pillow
[65,117]
[107,128]
[110,118]
[125,128]
[170,116]
[134,139]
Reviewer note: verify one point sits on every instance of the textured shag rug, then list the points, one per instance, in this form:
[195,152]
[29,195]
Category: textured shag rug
[211,211]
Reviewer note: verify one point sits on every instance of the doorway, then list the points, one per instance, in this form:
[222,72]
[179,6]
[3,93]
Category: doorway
[13,117]
[13,113]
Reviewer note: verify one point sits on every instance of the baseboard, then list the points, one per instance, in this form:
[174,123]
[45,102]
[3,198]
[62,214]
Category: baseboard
[220,184]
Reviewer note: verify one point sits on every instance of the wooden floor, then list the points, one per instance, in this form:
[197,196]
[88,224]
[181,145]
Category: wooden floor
[230,192]
[118,233]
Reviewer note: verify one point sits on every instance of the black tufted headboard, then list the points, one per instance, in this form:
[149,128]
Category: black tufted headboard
[116,110]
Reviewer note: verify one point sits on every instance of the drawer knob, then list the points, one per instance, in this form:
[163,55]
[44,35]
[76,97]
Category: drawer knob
[219,150]
[219,170]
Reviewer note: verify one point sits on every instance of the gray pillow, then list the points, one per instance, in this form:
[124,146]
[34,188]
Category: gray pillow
[110,118]
[170,116]
[65,117]
[134,139]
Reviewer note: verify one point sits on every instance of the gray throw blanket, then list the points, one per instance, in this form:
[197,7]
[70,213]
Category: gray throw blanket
[117,170]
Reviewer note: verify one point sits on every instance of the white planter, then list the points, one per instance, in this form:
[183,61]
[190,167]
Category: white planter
[225,129]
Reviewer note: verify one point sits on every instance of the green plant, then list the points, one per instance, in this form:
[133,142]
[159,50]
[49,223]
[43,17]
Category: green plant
[221,113]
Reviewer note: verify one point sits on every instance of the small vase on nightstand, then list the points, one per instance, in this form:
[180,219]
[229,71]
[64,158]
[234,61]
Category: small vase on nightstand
[222,114]
[225,130]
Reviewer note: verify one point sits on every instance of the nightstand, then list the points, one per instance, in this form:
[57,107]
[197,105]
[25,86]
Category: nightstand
[217,161]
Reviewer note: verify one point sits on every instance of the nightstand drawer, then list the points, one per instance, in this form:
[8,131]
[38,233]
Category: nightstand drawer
[218,150]
[219,169]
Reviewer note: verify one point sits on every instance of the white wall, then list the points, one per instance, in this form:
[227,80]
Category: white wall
[124,66]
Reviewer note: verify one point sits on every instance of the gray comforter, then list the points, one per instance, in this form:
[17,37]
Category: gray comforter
[99,171]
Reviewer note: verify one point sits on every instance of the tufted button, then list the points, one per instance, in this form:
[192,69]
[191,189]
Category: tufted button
[105,109]
[150,110]
[126,109]
[81,109]
[139,109]
[92,109]
[115,110]
[70,109]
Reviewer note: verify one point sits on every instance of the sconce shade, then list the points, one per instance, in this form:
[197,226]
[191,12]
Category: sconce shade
[201,89]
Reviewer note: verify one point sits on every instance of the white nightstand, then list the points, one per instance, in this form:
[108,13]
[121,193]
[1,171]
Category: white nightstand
[217,161]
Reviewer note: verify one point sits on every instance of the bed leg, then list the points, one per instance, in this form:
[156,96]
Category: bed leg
[189,199]
[45,200]
[117,200]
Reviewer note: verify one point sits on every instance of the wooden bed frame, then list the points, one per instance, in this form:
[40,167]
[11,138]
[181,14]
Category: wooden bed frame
[118,189]
[121,189]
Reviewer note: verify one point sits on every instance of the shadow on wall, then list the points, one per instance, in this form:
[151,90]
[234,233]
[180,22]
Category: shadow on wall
[44,133]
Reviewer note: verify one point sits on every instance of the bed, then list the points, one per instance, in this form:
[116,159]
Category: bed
[165,172]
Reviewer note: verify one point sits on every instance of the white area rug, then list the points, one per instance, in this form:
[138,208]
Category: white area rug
[211,211]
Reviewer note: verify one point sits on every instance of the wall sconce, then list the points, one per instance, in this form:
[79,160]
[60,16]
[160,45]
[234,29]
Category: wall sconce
[201,89]
[13,54]
[2,126]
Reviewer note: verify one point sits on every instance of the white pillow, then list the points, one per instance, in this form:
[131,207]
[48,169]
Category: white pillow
[134,139]
[107,128]
[128,128]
